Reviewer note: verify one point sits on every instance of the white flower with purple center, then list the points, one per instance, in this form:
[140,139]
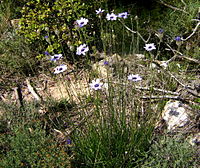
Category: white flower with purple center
[82,49]
[82,22]
[111,16]
[150,47]
[96,84]
[60,68]
[56,57]
[123,15]
[99,11]
[134,78]
[160,31]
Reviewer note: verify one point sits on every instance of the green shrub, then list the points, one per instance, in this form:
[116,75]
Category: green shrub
[171,152]
[56,19]
[29,147]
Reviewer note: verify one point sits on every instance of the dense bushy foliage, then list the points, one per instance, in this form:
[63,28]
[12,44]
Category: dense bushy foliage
[56,20]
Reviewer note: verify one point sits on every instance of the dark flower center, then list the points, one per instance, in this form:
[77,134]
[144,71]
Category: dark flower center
[111,17]
[134,78]
[150,47]
[96,85]
[60,69]
[83,49]
[82,23]
[174,112]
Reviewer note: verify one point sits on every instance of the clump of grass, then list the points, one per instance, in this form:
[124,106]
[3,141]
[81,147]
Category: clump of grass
[115,123]
[115,133]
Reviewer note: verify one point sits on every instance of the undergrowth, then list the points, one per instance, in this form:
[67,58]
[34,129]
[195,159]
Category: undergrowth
[141,61]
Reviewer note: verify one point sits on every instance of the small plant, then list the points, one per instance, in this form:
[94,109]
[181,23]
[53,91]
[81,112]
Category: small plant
[171,152]
[31,147]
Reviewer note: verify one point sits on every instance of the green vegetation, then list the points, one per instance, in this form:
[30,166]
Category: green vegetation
[86,89]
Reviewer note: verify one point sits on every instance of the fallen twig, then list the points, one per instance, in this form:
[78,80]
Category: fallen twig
[33,91]
[172,7]
[189,59]
[149,89]
[189,89]
[161,97]
[194,31]
[156,89]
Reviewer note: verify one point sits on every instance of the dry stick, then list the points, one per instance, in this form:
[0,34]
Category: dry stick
[149,89]
[180,55]
[189,59]
[136,32]
[188,88]
[161,97]
[194,31]
[184,4]
[18,95]
[33,91]
[172,7]
[156,89]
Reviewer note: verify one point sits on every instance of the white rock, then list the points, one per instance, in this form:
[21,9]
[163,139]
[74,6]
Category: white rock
[175,114]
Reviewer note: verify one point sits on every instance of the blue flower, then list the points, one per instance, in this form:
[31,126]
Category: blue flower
[123,15]
[111,16]
[56,57]
[46,53]
[160,31]
[69,142]
[96,84]
[106,63]
[82,22]
[178,38]
[150,47]
[82,49]
[46,37]
[60,69]
[99,11]
[134,78]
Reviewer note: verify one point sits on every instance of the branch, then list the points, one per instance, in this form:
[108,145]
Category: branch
[188,88]
[194,31]
[156,89]
[189,59]
[149,89]
[33,91]
[136,32]
[180,55]
[172,7]
[161,97]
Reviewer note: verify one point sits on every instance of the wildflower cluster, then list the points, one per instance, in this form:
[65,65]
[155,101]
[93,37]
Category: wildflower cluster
[83,48]
[112,16]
